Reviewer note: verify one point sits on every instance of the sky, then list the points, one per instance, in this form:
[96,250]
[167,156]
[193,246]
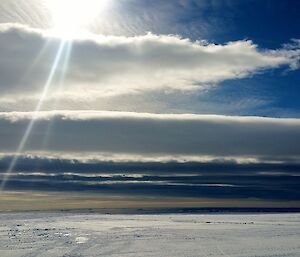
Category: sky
[181,99]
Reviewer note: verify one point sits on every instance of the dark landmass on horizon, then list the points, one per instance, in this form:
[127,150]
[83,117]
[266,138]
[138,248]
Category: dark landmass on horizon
[153,211]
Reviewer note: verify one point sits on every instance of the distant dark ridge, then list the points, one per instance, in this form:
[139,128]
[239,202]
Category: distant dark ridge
[189,210]
[195,210]
[145,211]
[237,210]
[186,210]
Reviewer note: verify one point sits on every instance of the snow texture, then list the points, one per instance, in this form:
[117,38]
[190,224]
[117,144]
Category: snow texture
[75,235]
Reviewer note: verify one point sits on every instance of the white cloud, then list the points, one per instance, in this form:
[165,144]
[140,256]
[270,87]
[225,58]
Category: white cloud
[102,65]
[169,136]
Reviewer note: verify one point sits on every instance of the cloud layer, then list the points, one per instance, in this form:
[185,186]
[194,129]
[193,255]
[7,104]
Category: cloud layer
[136,134]
[100,65]
[215,180]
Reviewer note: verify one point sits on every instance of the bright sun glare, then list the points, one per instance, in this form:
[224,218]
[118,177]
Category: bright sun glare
[71,17]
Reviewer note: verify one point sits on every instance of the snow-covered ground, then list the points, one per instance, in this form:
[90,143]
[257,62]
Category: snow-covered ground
[73,235]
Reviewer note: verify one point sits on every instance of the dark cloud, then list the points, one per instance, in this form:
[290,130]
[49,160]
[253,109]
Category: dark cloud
[280,188]
[149,135]
[212,168]
[220,180]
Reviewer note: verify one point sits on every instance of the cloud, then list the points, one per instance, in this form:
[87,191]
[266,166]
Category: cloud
[107,65]
[152,135]
[226,180]
[165,155]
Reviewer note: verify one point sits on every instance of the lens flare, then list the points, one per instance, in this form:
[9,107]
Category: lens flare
[73,17]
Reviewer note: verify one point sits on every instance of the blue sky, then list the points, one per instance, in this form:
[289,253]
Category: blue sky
[269,24]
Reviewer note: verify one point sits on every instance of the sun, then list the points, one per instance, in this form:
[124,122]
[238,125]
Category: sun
[72,17]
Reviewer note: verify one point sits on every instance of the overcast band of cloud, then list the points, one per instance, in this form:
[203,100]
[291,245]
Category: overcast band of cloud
[103,65]
[152,134]
[218,180]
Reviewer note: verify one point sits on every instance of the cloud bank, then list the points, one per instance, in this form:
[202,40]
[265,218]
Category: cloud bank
[107,65]
[216,180]
[137,134]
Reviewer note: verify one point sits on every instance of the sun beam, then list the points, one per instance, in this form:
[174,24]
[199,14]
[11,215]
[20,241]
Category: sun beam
[71,18]
[30,126]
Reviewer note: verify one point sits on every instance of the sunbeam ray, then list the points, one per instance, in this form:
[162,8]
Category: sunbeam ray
[64,64]
[35,113]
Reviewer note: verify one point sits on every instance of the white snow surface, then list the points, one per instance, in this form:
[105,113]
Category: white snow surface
[74,235]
